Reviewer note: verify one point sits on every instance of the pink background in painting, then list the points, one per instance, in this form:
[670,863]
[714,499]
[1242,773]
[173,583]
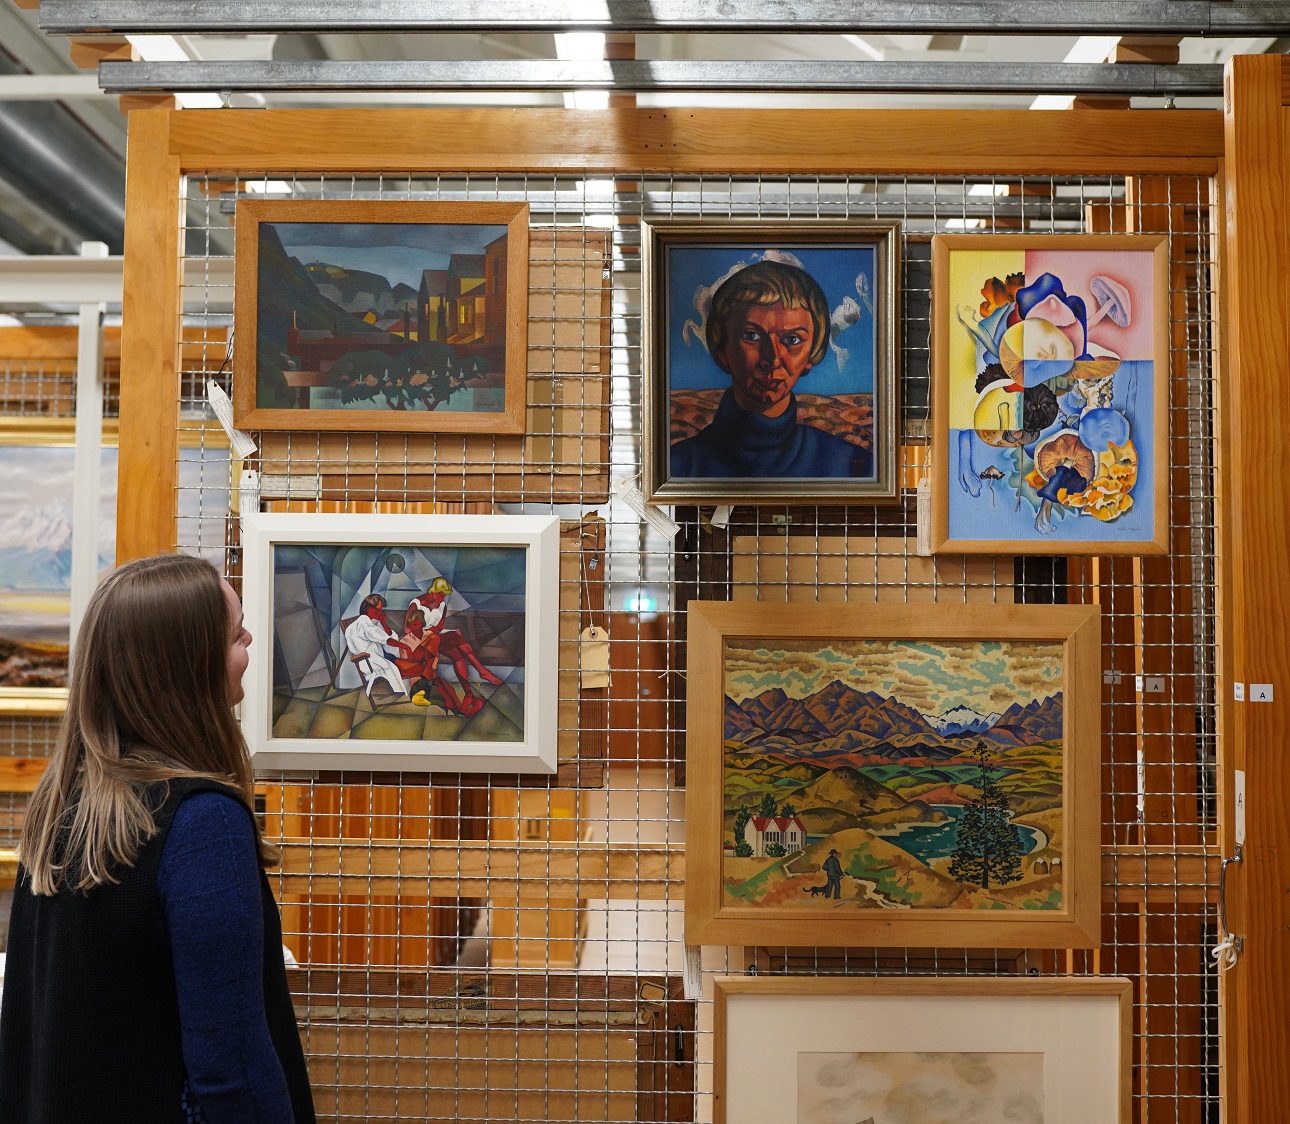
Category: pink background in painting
[1132,268]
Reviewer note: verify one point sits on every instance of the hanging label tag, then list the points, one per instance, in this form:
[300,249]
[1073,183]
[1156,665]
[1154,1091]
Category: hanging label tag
[924,503]
[692,971]
[721,516]
[1238,827]
[593,657]
[663,523]
[242,444]
[248,492]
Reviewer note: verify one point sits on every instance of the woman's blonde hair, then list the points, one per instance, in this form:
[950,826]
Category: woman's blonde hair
[148,701]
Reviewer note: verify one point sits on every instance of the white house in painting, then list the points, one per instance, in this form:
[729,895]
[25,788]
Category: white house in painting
[788,831]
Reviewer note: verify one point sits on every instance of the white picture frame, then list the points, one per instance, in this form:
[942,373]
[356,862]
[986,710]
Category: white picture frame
[314,657]
[910,1026]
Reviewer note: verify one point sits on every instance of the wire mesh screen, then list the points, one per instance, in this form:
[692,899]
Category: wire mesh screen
[490,948]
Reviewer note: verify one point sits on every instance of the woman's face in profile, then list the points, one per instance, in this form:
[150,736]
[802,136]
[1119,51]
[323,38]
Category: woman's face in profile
[239,641]
[767,349]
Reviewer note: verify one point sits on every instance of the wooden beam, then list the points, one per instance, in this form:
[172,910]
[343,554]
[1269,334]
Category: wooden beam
[1254,608]
[147,468]
[828,142]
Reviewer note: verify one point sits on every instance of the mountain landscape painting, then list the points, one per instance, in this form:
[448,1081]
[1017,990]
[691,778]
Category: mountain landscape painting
[387,317]
[867,774]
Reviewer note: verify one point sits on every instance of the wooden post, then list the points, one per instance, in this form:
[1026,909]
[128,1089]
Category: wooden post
[148,464]
[1254,495]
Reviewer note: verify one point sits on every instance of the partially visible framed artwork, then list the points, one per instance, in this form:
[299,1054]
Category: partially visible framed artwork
[769,358]
[36,528]
[1050,396]
[893,775]
[393,642]
[900,1050]
[366,315]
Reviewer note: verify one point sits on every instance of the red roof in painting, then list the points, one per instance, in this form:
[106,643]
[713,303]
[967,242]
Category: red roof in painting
[782,823]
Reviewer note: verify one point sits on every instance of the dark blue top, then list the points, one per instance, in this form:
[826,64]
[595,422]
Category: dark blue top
[737,443]
[209,884]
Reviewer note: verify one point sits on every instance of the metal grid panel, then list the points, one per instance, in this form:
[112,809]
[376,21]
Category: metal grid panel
[477,996]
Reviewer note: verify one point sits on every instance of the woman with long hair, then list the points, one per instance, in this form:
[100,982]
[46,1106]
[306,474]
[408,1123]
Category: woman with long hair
[145,979]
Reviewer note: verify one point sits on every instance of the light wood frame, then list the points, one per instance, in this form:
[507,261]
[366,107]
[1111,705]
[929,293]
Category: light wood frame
[749,237]
[710,920]
[1082,1025]
[60,433]
[252,212]
[540,537]
[1157,541]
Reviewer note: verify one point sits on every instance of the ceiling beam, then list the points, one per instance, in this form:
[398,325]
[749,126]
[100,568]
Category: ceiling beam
[1229,18]
[779,76]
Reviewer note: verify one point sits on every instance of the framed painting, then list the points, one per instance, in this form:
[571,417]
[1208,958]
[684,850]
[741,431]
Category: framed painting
[395,316]
[769,354]
[402,642]
[37,464]
[893,775]
[1050,396]
[895,1050]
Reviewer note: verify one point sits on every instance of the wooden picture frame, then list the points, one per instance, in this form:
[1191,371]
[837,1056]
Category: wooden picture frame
[455,670]
[838,299]
[1060,1046]
[933,770]
[37,458]
[450,359]
[1050,398]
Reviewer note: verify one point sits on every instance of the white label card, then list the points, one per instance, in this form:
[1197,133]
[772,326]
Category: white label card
[1239,825]
[924,503]
[663,523]
[242,444]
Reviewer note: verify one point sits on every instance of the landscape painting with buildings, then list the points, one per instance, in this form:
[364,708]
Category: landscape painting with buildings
[893,774]
[381,316]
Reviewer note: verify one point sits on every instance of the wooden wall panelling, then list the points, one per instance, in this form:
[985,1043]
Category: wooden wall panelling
[477,1047]
[532,924]
[563,456]
[1255,543]
[639,686]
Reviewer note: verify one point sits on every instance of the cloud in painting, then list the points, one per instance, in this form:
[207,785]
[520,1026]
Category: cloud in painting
[930,677]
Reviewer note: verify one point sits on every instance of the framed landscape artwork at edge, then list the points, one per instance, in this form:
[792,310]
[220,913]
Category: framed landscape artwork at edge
[400,316]
[394,642]
[769,357]
[1050,394]
[1022,1049]
[893,775]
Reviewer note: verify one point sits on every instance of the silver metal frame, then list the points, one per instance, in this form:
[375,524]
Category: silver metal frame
[984,17]
[656,75]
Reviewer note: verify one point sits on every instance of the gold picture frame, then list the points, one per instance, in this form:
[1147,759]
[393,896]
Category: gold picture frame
[893,775]
[1050,398]
[308,331]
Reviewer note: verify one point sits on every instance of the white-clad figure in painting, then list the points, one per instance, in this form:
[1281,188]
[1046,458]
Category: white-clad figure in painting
[366,638]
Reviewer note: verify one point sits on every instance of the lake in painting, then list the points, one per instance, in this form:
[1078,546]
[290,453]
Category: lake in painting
[893,774]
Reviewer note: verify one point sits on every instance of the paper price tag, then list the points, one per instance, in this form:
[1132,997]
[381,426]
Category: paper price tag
[721,516]
[663,523]
[692,971]
[593,657]
[924,502]
[242,444]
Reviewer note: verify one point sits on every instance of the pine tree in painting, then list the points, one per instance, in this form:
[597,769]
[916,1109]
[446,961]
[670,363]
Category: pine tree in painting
[743,849]
[989,847]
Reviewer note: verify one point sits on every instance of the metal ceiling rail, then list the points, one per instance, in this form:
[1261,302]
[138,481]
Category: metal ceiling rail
[1231,18]
[778,76]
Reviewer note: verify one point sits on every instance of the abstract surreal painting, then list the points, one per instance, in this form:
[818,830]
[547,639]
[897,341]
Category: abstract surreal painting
[402,635]
[1050,394]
